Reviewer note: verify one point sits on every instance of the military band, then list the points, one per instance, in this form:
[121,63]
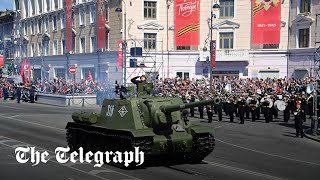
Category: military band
[251,105]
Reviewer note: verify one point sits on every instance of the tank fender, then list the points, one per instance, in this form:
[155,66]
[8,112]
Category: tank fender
[142,132]
[199,130]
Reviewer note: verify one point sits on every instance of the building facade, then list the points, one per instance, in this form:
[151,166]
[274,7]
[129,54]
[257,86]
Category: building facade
[40,32]
[304,33]
[6,38]
[148,26]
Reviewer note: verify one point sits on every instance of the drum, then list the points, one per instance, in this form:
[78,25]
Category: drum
[280,105]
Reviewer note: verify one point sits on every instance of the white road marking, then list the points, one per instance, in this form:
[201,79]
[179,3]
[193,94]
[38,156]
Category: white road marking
[103,169]
[244,171]
[274,155]
[12,107]
[15,119]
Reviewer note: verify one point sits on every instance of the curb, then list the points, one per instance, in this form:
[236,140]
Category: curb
[49,104]
[312,137]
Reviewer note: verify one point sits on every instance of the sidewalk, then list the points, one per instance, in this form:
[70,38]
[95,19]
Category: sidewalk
[310,136]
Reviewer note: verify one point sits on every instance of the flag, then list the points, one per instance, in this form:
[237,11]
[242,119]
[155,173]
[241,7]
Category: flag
[120,58]
[68,29]
[90,76]
[187,22]
[101,9]
[23,70]
[29,70]
[266,21]
[1,61]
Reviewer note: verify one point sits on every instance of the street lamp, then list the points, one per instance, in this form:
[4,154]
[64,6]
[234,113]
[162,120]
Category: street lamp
[124,43]
[215,7]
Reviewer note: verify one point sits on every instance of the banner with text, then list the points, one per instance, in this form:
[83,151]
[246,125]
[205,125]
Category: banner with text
[68,29]
[1,61]
[120,58]
[266,21]
[187,22]
[101,24]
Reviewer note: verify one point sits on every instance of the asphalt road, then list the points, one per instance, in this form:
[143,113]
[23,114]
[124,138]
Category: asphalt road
[255,150]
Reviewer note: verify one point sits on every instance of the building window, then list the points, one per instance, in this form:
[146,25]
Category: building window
[85,72]
[55,4]
[25,28]
[226,40]
[245,72]
[93,45]
[32,26]
[270,46]
[32,7]
[73,22]
[39,49]
[26,8]
[183,48]
[63,48]
[74,43]
[46,24]
[304,38]
[60,73]
[305,6]
[226,8]
[46,48]
[93,14]
[54,23]
[81,17]
[39,25]
[63,20]
[133,63]
[25,50]
[55,47]
[48,5]
[183,75]
[150,40]
[82,45]
[150,10]
[32,50]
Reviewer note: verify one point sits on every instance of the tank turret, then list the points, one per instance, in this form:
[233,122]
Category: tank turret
[176,107]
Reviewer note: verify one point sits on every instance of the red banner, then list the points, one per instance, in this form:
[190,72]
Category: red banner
[68,29]
[187,22]
[1,61]
[120,57]
[23,70]
[266,21]
[101,9]
[213,54]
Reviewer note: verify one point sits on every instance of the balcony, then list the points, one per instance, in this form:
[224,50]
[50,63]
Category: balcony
[227,55]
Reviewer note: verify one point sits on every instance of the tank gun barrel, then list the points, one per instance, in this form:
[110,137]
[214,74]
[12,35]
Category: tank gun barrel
[172,108]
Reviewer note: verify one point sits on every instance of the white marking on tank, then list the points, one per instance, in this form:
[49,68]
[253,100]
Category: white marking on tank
[123,111]
[110,110]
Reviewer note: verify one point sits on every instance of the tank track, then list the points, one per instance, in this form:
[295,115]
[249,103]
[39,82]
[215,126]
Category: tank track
[203,145]
[94,139]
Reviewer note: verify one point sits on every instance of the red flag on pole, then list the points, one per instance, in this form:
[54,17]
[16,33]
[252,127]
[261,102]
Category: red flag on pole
[266,21]
[120,57]
[23,70]
[213,54]
[90,76]
[101,24]
[68,29]
[29,70]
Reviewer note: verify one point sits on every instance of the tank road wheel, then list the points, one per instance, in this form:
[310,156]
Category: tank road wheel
[203,145]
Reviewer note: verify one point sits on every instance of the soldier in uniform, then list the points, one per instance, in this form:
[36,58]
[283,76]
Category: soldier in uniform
[286,113]
[258,109]
[273,109]
[253,104]
[219,110]
[242,105]
[18,92]
[266,111]
[193,99]
[200,108]
[209,113]
[32,91]
[304,106]
[142,79]
[248,109]
[298,119]
[231,109]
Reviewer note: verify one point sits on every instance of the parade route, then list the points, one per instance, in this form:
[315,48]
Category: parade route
[254,150]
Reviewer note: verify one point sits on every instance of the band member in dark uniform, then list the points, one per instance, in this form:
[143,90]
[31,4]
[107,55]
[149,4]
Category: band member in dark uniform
[5,92]
[298,119]
[209,113]
[248,109]
[253,104]
[242,105]
[231,109]
[266,111]
[200,108]
[18,92]
[258,108]
[192,99]
[304,106]
[273,109]
[219,110]
[286,112]
[32,91]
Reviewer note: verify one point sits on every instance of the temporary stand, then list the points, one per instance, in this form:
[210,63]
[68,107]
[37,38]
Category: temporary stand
[149,63]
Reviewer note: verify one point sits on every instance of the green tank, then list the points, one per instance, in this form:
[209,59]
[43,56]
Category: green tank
[157,125]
